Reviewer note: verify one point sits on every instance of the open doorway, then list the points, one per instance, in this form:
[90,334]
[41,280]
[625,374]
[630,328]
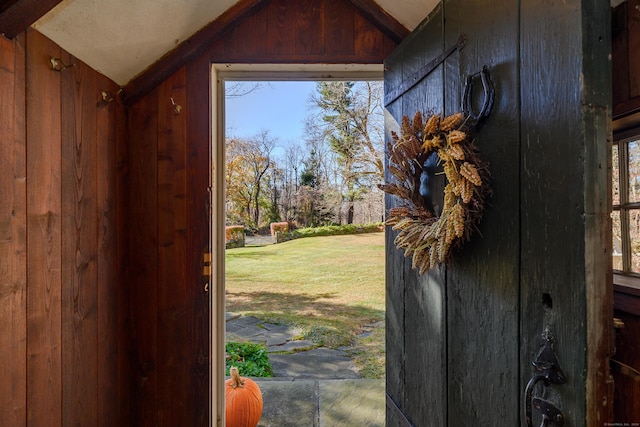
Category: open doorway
[262,306]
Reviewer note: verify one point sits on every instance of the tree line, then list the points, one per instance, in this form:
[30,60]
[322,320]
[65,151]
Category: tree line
[330,177]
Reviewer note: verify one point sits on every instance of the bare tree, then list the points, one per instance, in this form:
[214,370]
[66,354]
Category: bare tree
[238,89]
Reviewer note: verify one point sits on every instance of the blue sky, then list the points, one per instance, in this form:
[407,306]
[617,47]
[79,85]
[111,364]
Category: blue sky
[279,107]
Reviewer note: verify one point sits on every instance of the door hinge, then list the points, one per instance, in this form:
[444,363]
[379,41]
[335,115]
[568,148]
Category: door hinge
[617,323]
[206,264]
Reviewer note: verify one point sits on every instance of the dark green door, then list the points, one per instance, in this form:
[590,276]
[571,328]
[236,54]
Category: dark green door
[461,339]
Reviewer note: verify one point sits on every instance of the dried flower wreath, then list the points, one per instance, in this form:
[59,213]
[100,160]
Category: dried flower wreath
[430,239]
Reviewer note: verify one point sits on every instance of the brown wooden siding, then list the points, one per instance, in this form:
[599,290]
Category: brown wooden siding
[280,31]
[288,31]
[168,205]
[112,325]
[198,150]
[13,234]
[169,198]
[58,236]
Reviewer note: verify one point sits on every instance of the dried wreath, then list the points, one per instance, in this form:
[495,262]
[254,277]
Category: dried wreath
[430,239]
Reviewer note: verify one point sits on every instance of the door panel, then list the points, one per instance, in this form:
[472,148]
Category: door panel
[423,371]
[482,281]
[415,366]
[461,339]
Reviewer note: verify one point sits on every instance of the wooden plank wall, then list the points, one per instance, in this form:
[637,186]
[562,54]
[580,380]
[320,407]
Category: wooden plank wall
[463,338]
[169,181]
[58,239]
[169,211]
[13,233]
[482,281]
[280,32]
[287,31]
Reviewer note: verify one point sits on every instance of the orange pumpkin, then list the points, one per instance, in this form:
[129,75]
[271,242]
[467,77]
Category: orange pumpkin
[243,401]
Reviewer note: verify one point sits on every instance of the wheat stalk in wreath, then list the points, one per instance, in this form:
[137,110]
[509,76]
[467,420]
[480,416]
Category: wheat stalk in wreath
[428,238]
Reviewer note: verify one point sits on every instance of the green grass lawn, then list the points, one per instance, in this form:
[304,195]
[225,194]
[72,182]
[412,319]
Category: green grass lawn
[328,287]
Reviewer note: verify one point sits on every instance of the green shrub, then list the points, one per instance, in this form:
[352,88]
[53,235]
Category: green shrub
[234,235]
[251,359]
[336,230]
[282,227]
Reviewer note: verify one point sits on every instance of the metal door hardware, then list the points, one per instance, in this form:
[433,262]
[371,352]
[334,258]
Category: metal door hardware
[550,412]
[617,323]
[412,80]
[489,96]
[546,363]
[206,264]
[548,372]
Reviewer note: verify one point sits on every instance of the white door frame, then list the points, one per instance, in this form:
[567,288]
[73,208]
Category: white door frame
[247,72]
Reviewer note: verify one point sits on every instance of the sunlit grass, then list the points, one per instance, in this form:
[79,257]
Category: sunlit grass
[329,287]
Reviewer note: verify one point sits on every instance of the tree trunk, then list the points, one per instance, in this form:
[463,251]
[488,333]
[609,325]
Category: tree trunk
[350,211]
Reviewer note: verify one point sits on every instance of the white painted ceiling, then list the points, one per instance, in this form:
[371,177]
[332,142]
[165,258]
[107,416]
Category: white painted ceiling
[121,38]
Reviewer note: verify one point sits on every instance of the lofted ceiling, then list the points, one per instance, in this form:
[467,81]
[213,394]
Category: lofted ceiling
[121,38]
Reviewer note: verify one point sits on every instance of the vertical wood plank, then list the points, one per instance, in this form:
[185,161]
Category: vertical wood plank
[20,220]
[173,296]
[217,49]
[368,39]
[416,355]
[633,9]
[566,281]
[620,54]
[339,28]
[79,244]
[394,273]
[598,264]
[198,110]
[44,359]
[107,266]
[143,280]
[281,35]
[13,325]
[7,138]
[551,293]
[482,304]
[426,295]
[230,41]
[310,39]
[249,33]
[125,353]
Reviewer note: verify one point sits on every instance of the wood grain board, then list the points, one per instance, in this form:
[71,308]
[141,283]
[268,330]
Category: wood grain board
[58,269]
[13,234]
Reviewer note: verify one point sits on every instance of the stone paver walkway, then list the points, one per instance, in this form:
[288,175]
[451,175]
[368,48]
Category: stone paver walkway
[311,387]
